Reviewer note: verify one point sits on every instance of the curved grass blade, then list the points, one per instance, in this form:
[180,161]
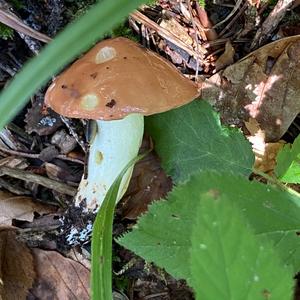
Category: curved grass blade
[101,279]
[76,38]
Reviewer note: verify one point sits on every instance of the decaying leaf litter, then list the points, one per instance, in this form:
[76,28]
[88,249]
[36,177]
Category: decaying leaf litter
[256,91]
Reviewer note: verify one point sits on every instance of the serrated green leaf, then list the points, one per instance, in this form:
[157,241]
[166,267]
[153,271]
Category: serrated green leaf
[227,260]
[163,234]
[191,138]
[288,163]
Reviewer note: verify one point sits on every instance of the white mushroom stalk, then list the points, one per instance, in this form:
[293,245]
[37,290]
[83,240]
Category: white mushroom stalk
[115,144]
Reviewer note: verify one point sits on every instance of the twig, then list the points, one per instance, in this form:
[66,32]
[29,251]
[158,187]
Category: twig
[271,22]
[136,15]
[37,155]
[244,7]
[156,295]
[196,37]
[38,179]
[236,7]
[14,22]
[13,189]
[276,182]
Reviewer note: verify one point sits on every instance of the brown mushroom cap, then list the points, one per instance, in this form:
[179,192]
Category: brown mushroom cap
[118,77]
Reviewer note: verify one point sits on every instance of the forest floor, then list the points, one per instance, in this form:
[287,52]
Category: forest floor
[43,155]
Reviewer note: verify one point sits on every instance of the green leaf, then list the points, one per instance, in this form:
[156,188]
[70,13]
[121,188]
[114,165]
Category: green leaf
[101,275]
[163,234]
[227,260]
[288,163]
[76,38]
[191,138]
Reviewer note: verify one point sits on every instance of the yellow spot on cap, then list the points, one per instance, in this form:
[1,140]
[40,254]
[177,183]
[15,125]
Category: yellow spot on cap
[105,54]
[99,157]
[89,102]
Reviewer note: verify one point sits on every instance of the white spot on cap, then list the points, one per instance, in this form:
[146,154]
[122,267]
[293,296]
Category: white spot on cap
[105,54]
[89,102]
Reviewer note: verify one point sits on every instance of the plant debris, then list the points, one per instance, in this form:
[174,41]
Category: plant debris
[16,266]
[264,85]
[59,277]
[19,208]
[43,155]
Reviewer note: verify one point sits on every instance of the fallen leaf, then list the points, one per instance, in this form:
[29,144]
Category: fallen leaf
[226,58]
[265,153]
[19,208]
[148,182]
[59,277]
[64,141]
[285,30]
[80,255]
[42,121]
[266,161]
[16,266]
[264,85]
[63,172]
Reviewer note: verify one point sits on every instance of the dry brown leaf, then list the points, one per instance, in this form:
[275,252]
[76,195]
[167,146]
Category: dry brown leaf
[19,208]
[265,153]
[16,266]
[266,161]
[80,255]
[59,277]
[148,182]
[257,136]
[226,58]
[43,121]
[264,85]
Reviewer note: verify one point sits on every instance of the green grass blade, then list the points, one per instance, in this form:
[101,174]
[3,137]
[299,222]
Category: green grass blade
[76,38]
[101,277]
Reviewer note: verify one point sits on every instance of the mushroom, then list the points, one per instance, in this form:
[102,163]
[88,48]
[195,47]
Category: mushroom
[116,83]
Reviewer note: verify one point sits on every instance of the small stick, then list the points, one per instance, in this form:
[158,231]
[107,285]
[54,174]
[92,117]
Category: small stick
[236,7]
[38,179]
[11,188]
[196,37]
[228,26]
[276,182]
[14,22]
[271,22]
[136,15]
[37,155]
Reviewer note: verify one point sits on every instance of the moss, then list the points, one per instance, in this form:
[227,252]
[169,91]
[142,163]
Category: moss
[6,32]
[123,30]
[121,283]
[77,8]
[202,3]
[17,4]
[151,2]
